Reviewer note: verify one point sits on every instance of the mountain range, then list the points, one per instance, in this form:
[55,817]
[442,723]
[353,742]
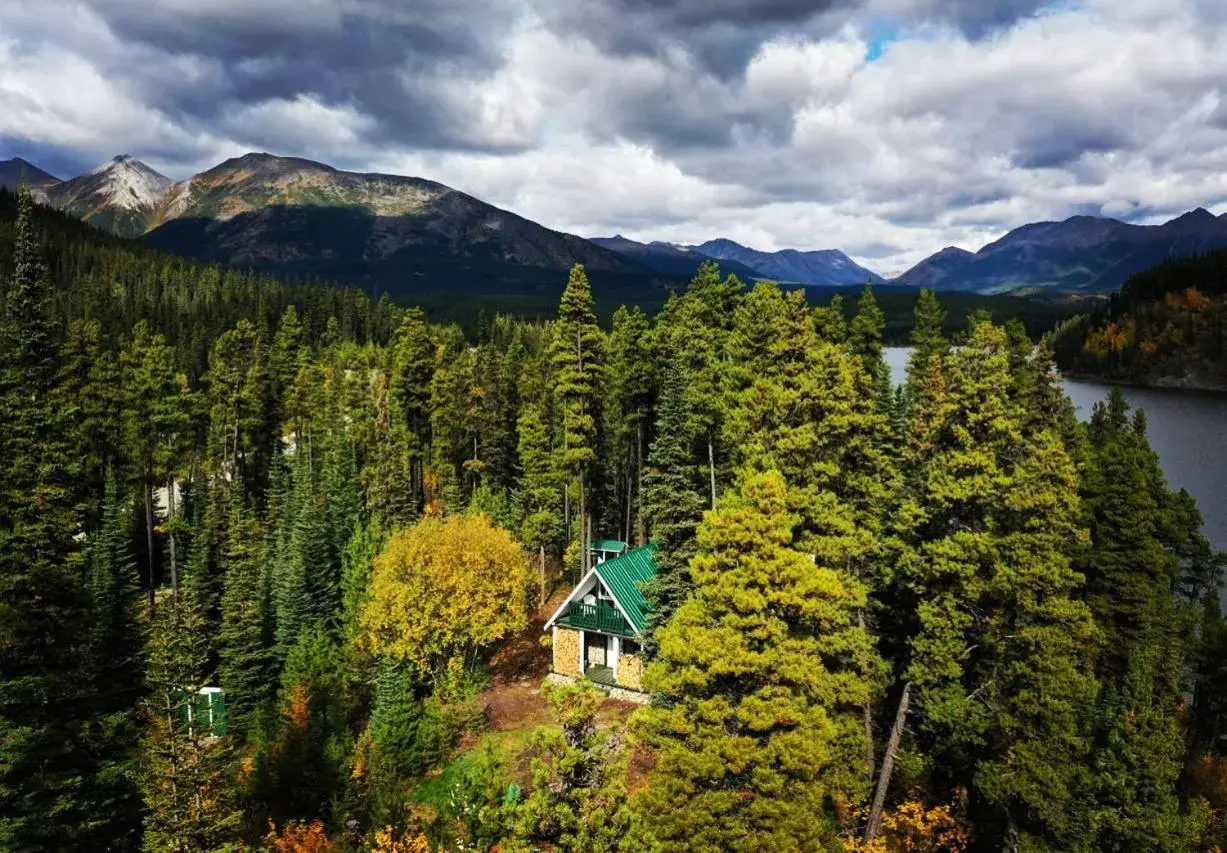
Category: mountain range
[411,234]
[1080,254]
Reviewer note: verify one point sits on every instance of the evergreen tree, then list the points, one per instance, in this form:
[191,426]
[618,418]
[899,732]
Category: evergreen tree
[155,423]
[87,395]
[999,645]
[754,673]
[117,663]
[693,333]
[578,801]
[830,321]
[364,544]
[673,504]
[244,655]
[413,367]
[44,604]
[303,765]
[1131,576]
[865,342]
[576,357]
[1137,765]
[628,413]
[189,777]
[540,490]
[928,339]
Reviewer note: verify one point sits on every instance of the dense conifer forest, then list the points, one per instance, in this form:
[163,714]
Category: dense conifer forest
[940,616]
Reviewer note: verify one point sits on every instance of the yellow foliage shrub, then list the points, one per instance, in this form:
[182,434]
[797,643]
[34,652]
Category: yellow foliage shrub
[444,589]
[911,828]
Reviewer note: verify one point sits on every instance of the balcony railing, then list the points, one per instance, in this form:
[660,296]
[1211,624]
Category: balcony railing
[596,617]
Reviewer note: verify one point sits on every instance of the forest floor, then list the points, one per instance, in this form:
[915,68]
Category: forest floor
[514,706]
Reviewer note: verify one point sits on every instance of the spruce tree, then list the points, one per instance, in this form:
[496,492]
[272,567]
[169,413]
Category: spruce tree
[155,424]
[865,342]
[1131,576]
[628,413]
[928,339]
[188,775]
[540,487]
[674,502]
[118,668]
[754,674]
[45,688]
[1136,767]
[693,333]
[245,662]
[87,395]
[998,657]
[576,357]
[413,367]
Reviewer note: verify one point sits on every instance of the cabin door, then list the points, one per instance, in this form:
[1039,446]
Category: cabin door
[595,646]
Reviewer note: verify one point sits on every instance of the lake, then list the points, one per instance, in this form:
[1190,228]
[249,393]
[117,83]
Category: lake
[1186,428]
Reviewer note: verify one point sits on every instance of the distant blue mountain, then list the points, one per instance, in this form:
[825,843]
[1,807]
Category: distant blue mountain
[829,267]
[668,259]
[1084,253]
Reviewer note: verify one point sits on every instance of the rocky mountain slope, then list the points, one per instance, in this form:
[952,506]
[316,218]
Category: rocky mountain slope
[1083,253]
[260,209]
[118,196]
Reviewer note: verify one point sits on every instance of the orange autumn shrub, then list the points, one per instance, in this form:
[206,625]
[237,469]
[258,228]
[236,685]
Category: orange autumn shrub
[299,837]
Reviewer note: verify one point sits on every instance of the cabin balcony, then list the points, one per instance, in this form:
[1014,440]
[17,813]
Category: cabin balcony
[596,617]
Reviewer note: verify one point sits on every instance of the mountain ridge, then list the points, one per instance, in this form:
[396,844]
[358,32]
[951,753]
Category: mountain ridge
[267,210]
[1079,254]
[18,171]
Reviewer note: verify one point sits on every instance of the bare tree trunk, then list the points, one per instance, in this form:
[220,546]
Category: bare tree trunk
[174,563]
[641,536]
[542,558]
[867,710]
[1011,844]
[583,528]
[630,490]
[888,765]
[149,542]
[711,467]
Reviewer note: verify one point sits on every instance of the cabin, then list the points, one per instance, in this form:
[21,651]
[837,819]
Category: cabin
[598,628]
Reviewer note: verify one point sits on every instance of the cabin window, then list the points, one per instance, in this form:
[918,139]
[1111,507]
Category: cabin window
[630,647]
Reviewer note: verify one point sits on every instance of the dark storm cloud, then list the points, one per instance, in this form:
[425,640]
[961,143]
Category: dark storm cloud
[1057,149]
[383,59]
[721,35]
[978,18]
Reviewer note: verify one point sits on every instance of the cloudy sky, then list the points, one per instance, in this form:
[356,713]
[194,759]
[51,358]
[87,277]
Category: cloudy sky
[888,128]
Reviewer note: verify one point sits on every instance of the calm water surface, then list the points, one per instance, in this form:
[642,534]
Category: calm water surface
[1187,429]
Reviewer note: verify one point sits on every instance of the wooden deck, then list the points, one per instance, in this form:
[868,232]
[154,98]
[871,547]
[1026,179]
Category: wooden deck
[602,675]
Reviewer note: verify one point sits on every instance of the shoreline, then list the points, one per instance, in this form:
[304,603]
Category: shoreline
[1170,385]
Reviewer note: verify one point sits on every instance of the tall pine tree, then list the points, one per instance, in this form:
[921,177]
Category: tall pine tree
[45,702]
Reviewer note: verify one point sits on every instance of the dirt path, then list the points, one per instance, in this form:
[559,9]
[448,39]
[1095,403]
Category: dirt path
[514,701]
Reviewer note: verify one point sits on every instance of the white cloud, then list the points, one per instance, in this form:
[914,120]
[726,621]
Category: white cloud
[1118,106]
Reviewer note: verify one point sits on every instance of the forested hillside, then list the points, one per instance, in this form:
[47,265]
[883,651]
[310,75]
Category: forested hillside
[1167,326]
[943,616]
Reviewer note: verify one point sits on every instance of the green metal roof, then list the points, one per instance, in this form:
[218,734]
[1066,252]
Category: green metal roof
[624,577]
[608,545]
